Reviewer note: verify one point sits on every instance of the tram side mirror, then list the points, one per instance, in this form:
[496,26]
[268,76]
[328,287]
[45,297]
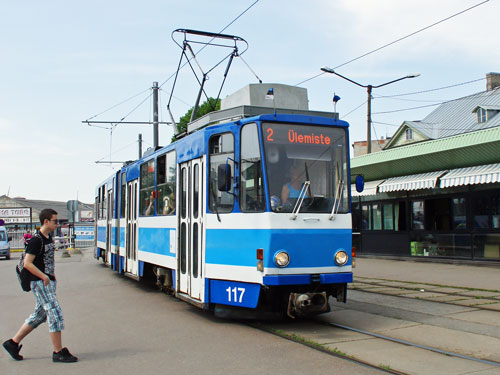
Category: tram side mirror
[360,183]
[224,177]
[9,238]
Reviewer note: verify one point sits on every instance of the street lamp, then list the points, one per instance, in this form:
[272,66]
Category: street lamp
[369,91]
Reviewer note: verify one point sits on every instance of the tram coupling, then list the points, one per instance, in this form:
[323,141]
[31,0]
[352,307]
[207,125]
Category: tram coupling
[305,304]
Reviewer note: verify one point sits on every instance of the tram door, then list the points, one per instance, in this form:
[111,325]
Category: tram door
[191,228]
[109,222]
[131,232]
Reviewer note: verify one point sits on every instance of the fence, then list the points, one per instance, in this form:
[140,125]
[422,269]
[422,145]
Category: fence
[17,241]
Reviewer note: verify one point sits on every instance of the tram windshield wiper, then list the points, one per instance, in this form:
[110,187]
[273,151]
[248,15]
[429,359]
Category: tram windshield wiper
[300,200]
[338,195]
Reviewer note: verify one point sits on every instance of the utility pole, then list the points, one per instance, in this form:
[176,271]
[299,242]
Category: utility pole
[369,101]
[155,114]
[140,145]
[369,120]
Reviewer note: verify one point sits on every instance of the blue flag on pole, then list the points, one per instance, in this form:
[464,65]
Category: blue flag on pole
[270,94]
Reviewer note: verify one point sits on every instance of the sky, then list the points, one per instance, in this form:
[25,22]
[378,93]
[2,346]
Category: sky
[65,62]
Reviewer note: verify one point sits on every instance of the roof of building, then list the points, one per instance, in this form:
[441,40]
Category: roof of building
[38,205]
[457,116]
[459,151]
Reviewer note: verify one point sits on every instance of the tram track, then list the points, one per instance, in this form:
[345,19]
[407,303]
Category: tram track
[392,287]
[323,347]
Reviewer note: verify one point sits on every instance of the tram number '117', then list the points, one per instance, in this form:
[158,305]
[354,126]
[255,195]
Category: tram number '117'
[235,291]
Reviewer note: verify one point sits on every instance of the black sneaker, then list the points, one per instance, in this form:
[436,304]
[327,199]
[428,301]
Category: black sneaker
[63,356]
[13,349]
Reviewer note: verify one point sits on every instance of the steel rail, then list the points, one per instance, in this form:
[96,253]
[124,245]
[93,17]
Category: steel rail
[323,349]
[425,347]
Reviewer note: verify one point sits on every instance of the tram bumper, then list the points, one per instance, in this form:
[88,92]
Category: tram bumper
[305,304]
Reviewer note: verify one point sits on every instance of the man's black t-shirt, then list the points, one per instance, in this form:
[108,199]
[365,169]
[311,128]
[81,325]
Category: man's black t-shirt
[44,255]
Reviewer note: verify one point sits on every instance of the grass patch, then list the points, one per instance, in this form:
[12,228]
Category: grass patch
[310,343]
[385,367]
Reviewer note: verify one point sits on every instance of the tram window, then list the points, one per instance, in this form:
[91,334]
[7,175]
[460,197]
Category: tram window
[252,197]
[147,189]
[104,203]
[221,148]
[123,194]
[166,184]
[295,154]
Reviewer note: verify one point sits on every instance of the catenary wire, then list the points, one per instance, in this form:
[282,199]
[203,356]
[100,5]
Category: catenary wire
[353,110]
[430,90]
[397,40]
[116,105]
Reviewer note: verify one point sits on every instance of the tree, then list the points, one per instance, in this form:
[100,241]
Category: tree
[203,109]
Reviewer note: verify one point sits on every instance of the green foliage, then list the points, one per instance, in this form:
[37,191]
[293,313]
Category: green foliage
[203,109]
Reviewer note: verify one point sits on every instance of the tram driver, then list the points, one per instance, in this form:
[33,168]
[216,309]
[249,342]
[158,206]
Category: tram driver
[291,189]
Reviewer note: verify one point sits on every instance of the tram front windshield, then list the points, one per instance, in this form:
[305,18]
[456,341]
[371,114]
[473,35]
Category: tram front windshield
[306,163]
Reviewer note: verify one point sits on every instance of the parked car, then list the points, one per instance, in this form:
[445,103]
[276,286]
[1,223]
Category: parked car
[4,243]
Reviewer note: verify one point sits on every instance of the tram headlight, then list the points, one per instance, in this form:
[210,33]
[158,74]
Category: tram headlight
[341,258]
[282,259]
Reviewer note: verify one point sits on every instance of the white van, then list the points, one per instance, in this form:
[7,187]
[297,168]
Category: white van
[4,243]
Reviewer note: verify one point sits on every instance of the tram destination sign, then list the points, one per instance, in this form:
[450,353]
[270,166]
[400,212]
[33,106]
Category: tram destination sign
[296,134]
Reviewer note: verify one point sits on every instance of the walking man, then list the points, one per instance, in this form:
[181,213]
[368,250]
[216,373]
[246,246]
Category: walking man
[39,261]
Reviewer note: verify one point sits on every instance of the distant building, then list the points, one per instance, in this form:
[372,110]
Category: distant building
[360,148]
[434,191]
[22,214]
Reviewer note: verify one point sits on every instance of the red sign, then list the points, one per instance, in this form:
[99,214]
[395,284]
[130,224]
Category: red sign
[311,138]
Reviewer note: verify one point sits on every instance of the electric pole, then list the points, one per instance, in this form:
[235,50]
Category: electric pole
[155,115]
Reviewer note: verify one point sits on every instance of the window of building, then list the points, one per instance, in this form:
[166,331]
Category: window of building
[165,177]
[366,223]
[459,215]
[486,210]
[383,216]
[377,216]
[481,115]
[252,197]
[147,192]
[443,214]
[388,216]
[417,215]
[409,134]
[221,147]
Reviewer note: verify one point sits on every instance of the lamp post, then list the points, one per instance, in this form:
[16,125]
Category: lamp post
[369,101]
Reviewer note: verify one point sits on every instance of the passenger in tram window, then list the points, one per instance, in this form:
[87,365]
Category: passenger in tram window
[291,189]
[150,204]
[169,205]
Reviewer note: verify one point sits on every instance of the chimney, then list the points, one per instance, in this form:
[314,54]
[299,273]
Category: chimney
[492,81]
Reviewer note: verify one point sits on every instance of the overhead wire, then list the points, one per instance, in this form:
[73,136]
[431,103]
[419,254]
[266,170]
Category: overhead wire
[116,105]
[355,109]
[397,40]
[430,90]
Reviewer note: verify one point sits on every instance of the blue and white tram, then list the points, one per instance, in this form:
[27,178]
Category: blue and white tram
[247,217]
